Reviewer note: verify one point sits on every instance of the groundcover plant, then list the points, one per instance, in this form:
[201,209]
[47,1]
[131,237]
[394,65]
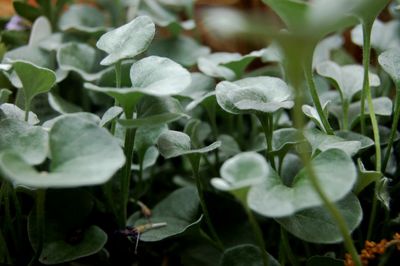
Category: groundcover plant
[126,140]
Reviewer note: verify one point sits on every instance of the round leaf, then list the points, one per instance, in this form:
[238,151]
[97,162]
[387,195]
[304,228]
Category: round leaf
[29,142]
[179,210]
[82,18]
[174,143]
[81,58]
[127,41]
[254,95]
[316,224]
[243,170]
[82,154]
[336,175]
[390,62]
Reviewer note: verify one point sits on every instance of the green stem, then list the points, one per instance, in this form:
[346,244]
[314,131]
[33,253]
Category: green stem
[195,161]
[393,130]
[367,28]
[268,127]
[314,95]
[295,79]
[118,73]
[366,92]
[211,113]
[288,251]
[346,115]
[27,108]
[127,172]
[258,234]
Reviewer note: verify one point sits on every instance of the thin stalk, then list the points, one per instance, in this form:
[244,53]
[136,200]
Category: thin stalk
[27,108]
[211,113]
[258,234]
[268,127]
[393,130]
[127,172]
[40,221]
[288,251]
[295,70]
[366,93]
[194,160]
[367,28]
[118,78]
[314,95]
[346,125]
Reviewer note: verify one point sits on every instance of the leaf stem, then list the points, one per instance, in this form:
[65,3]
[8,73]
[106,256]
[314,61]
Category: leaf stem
[258,234]
[40,221]
[266,121]
[195,161]
[367,28]
[393,129]
[314,95]
[127,172]
[345,114]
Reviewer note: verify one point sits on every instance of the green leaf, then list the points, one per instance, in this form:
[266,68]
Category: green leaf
[55,40]
[200,86]
[152,75]
[245,254]
[174,143]
[149,159]
[225,65]
[182,49]
[26,11]
[324,48]
[336,175]
[384,36]
[365,141]
[35,80]
[89,117]
[348,78]
[382,107]
[127,41]
[152,111]
[389,60]
[229,146]
[62,106]
[111,114]
[316,224]
[147,136]
[29,142]
[80,58]
[240,172]
[312,113]
[8,110]
[41,29]
[4,95]
[82,18]
[365,177]
[180,210]
[254,95]
[67,236]
[382,192]
[82,154]
[322,142]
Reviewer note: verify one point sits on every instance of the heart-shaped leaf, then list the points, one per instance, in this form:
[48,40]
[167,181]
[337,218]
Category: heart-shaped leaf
[8,110]
[80,58]
[245,254]
[316,224]
[82,154]
[240,172]
[127,41]
[29,142]
[254,95]
[35,80]
[182,49]
[348,78]
[389,60]
[152,75]
[174,143]
[82,18]
[383,36]
[180,210]
[152,111]
[336,175]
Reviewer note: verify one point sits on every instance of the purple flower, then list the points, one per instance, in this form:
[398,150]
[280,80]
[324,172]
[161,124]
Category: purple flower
[16,23]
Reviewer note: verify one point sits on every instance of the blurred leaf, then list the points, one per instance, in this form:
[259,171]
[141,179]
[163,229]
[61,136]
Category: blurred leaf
[41,29]
[382,192]
[8,110]
[62,106]
[111,114]
[365,177]
[4,95]
[82,18]
[390,62]
[245,254]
